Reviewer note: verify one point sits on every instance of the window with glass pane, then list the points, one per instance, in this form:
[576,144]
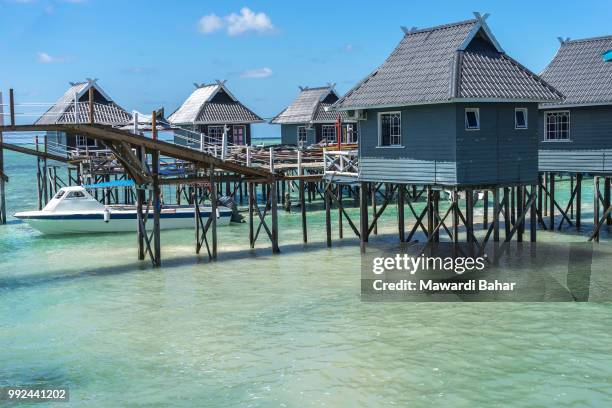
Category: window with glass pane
[520,118]
[215,134]
[301,134]
[472,119]
[328,133]
[557,126]
[351,134]
[390,129]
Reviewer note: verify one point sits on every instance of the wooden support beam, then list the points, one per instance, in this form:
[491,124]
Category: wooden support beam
[363,214]
[12,106]
[401,193]
[340,209]
[252,204]
[496,210]
[551,194]
[91,106]
[327,201]
[213,211]
[596,198]
[274,209]
[32,152]
[533,216]
[578,199]
[3,177]
[506,209]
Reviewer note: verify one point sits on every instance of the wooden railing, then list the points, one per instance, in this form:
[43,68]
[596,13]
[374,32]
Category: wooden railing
[341,162]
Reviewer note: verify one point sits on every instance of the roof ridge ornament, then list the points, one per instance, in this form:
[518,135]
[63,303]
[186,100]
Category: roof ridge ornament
[408,31]
[563,41]
[220,82]
[481,17]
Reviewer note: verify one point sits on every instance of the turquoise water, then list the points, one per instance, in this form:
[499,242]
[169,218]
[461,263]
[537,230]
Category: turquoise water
[259,330]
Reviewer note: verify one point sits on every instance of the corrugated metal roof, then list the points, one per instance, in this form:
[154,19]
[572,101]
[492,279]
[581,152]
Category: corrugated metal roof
[579,71]
[198,108]
[438,64]
[306,107]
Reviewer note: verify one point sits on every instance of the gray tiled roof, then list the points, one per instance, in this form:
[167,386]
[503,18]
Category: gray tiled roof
[579,71]
[324,114]
[201,108]
[307,107]
[441,64]
[105,111]
[106,114]
[227,113]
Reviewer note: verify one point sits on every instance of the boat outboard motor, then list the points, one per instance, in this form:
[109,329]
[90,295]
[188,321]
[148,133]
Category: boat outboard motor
[227,201]
[106,215]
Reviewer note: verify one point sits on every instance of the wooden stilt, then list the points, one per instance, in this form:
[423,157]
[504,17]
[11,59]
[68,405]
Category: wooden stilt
[496,209]
[596,198]
[533,217]
[2,174]
[507,212]
[469,214]
[363,215]
[607,199]
[430,215]
[252,204]
[340,216]
[213,210]
[328,215]
[485,210]
[520,210]
[373,189]
[436,215]
[156,199]
[578,199]
[551,199]
[274,209]
[571,204]
[401,191]
[455,204]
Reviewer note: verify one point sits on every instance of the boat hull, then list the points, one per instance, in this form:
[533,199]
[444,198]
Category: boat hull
[119,221]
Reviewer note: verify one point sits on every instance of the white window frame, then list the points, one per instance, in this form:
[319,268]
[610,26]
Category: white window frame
[212,138]
[391,136]
[324,136]
[525,113]
[569,136]
[299,140]
[351,133]
[477,112]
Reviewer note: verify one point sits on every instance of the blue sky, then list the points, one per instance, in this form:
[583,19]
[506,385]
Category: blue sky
[147,54]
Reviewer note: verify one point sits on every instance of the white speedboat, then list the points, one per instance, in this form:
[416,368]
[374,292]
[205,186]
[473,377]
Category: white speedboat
[74,211]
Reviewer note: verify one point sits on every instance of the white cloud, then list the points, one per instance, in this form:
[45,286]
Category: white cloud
[237,24]
[247,21]
[210,23]
[257,73]
[45,58]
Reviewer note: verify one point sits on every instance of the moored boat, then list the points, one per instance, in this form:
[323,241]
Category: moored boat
[74,211]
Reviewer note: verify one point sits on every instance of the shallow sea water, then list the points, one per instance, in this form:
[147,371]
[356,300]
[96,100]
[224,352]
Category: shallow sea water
[262,330]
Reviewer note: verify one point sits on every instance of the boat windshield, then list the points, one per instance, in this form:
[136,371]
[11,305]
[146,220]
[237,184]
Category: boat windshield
[59,194]
[75,194]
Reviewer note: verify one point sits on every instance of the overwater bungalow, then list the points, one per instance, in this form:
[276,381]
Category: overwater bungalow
[449,107]
[309,120]
[576,133]
[210,111]
[73,107]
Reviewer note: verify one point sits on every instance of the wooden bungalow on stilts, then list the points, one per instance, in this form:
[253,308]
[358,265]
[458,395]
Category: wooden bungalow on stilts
[576,133]
[210,112]
[449,110]
[73,107]
[308,119]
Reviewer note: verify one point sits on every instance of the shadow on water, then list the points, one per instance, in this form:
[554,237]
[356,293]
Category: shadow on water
[68,275]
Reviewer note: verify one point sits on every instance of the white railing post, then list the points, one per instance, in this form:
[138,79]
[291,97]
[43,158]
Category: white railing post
[224,143]
[135,116]
[300,169]
[201,142]
[271,160]
[248,156]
